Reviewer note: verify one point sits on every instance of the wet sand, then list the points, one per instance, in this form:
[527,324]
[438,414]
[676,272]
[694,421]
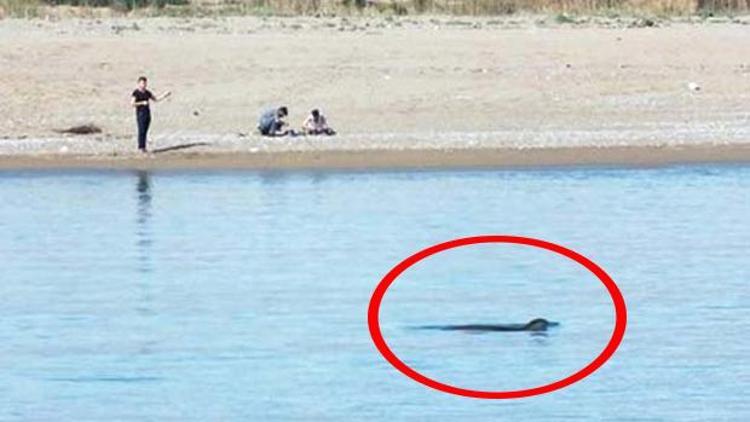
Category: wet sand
[390,159]
[410,92]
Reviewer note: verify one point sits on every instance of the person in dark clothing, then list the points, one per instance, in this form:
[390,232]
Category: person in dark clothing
[140,101]
[271,122]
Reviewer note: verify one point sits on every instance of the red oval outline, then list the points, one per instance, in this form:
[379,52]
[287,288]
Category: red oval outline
[373,317]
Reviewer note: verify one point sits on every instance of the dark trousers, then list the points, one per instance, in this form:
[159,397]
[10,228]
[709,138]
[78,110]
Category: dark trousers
[272,129]
[144,121]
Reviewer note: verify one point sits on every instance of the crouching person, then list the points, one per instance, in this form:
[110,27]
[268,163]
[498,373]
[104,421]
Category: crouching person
[271,122]
[316,124]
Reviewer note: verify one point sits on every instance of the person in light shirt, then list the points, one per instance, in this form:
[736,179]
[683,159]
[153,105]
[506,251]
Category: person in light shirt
[316,124]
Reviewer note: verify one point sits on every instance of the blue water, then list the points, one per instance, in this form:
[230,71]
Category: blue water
[197,296]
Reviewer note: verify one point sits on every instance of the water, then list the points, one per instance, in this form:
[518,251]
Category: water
[243,296]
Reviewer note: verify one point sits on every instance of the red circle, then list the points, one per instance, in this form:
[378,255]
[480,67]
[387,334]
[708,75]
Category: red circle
[373,317]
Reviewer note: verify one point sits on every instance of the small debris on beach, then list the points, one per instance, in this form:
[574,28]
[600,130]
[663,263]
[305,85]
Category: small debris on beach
[694,87]
[81,130]
[643,23]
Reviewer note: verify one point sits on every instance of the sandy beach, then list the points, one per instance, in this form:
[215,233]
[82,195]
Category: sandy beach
[409,92]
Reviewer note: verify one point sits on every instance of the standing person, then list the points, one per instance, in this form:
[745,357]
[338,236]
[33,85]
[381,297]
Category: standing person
[271,122]
[141,100]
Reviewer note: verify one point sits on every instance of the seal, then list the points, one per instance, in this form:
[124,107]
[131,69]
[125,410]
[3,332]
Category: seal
[536,325]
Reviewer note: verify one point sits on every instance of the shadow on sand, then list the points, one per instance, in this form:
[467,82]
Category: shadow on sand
[179,147]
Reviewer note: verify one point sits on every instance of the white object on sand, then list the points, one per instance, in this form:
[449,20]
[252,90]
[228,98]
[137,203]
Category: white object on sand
[63,149]
[694,86]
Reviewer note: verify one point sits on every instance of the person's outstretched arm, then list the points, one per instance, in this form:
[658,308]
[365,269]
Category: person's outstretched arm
[162,96]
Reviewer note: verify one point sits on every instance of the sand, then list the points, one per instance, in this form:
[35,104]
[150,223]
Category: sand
[427,92]
[395,159]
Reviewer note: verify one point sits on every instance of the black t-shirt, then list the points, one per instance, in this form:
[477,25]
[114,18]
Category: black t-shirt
[142,96]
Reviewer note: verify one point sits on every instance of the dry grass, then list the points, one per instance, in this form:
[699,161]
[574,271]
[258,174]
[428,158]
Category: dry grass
[30,8]
[486,7]
[19,8]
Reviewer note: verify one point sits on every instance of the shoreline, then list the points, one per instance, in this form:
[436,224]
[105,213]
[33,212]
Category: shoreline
[386,159]
[464,94]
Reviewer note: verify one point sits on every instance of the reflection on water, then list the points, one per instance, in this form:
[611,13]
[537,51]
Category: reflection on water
[144,246]
[143,217]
